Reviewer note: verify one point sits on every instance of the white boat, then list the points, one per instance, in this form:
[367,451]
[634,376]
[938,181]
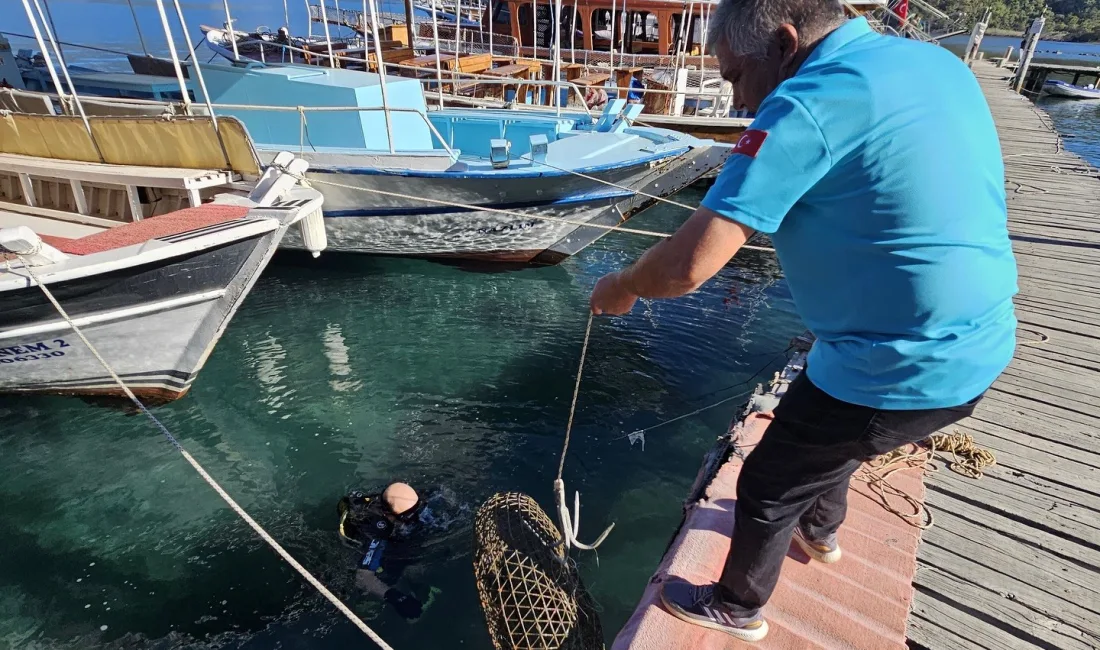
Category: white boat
[1058,88]
[149,232]
[153,296]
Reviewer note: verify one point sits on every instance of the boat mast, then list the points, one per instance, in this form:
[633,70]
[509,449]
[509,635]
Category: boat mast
[556,23]
[438,62]
[381,67]
[410,22]
[573,34]
[611,42]
[228,24]
[535,30]
[138,26]
[202,82]
[309,21]
[704,16]
[175,57]
[53,28]
[64,69]
[492,26]
[328,41]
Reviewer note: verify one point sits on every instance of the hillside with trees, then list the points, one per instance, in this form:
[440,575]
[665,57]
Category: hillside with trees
[1071,20]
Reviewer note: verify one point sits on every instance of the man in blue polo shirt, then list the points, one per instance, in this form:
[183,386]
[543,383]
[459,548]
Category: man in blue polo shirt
[874,165]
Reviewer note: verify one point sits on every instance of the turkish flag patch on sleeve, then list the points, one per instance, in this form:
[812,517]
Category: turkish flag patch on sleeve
[750,142]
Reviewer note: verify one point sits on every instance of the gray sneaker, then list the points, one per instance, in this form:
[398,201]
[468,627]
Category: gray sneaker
[823,550]
[699,604]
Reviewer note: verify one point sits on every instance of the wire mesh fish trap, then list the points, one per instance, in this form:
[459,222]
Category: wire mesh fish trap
[530,592]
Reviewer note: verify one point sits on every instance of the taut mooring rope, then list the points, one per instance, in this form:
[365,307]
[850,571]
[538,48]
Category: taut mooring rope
[509,213]
[264,535]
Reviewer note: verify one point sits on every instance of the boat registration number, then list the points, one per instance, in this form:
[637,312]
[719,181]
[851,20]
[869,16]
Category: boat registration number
[33,351]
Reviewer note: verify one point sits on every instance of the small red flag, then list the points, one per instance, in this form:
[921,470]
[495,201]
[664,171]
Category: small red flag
[750,142]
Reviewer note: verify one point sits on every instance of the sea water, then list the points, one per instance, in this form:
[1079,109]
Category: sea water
[354,371]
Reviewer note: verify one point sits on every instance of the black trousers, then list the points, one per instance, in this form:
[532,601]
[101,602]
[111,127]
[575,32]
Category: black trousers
[799,474]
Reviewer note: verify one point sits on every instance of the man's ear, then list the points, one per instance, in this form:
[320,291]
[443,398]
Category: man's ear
[787,41]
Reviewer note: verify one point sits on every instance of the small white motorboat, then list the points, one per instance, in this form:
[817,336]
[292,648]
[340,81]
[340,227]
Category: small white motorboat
[1058,88]
[153,294]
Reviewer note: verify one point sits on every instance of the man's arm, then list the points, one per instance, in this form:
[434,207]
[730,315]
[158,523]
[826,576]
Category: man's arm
[676,266]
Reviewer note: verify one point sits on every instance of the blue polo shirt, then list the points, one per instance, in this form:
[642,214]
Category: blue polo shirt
[877,172]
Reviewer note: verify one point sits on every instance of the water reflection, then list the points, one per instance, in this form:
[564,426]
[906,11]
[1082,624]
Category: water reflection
[356,372]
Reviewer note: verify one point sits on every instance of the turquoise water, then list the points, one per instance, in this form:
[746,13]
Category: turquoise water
[355,373]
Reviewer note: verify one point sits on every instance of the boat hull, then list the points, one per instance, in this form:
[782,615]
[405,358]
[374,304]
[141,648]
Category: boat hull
[1070,91]
[359,220]
[155,324]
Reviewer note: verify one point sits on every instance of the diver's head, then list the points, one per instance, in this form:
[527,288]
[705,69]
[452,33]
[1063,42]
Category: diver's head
[400,499]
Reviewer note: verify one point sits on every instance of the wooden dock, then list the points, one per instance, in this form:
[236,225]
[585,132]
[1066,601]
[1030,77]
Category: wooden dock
[1013,560]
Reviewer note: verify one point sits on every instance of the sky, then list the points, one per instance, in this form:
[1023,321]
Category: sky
[109,22]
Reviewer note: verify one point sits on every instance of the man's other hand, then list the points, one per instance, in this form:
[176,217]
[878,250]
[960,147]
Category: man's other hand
[610,296]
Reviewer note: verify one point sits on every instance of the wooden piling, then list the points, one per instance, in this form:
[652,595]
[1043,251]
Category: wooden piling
[1028,51]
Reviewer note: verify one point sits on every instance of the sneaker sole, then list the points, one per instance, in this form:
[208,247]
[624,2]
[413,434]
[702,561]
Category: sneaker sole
[827,558]
[752,635]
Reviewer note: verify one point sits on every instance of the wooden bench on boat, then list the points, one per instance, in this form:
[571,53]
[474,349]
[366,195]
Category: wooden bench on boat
[593,80]
[512,71]
[47,186]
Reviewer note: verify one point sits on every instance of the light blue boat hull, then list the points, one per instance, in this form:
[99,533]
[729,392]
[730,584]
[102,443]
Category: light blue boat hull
[549,218]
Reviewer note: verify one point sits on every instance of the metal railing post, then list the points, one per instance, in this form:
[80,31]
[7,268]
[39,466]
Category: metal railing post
[381,67]
[328,39]
[202,83]
[232,31]
[175,57]
[438,61]
[64,70]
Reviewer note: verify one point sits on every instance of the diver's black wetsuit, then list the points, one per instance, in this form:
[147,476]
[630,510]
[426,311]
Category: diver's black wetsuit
[366,524]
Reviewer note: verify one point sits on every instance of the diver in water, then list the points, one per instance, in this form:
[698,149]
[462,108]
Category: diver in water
[371,523]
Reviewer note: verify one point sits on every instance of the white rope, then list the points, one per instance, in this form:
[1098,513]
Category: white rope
[640,432]
[264,535]
[509,213]
[570,525]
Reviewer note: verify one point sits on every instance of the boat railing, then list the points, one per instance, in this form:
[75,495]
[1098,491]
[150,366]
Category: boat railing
[463,39]
[721,99]
[696,82]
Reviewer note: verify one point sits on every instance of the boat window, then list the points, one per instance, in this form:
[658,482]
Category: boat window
[694,35]
[642,33]
[544,30]
[601,28]
[578,29]
[502,14]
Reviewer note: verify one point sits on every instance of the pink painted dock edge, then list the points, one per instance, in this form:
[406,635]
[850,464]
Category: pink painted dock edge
[860,602]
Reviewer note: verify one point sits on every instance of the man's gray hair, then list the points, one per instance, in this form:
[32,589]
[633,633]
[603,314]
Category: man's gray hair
[748,26]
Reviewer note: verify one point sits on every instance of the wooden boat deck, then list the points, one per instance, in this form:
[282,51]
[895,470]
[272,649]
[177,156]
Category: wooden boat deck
[1013,560]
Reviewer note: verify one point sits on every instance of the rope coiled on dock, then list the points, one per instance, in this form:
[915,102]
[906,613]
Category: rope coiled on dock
[967,459]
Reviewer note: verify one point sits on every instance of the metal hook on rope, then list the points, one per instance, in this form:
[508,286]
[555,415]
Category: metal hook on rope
[570,525]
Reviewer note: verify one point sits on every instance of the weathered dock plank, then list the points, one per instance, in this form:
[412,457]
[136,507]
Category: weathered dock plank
[1014,559]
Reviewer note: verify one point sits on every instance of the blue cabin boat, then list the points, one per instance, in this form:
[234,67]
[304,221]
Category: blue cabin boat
[439,190]
[499,185]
